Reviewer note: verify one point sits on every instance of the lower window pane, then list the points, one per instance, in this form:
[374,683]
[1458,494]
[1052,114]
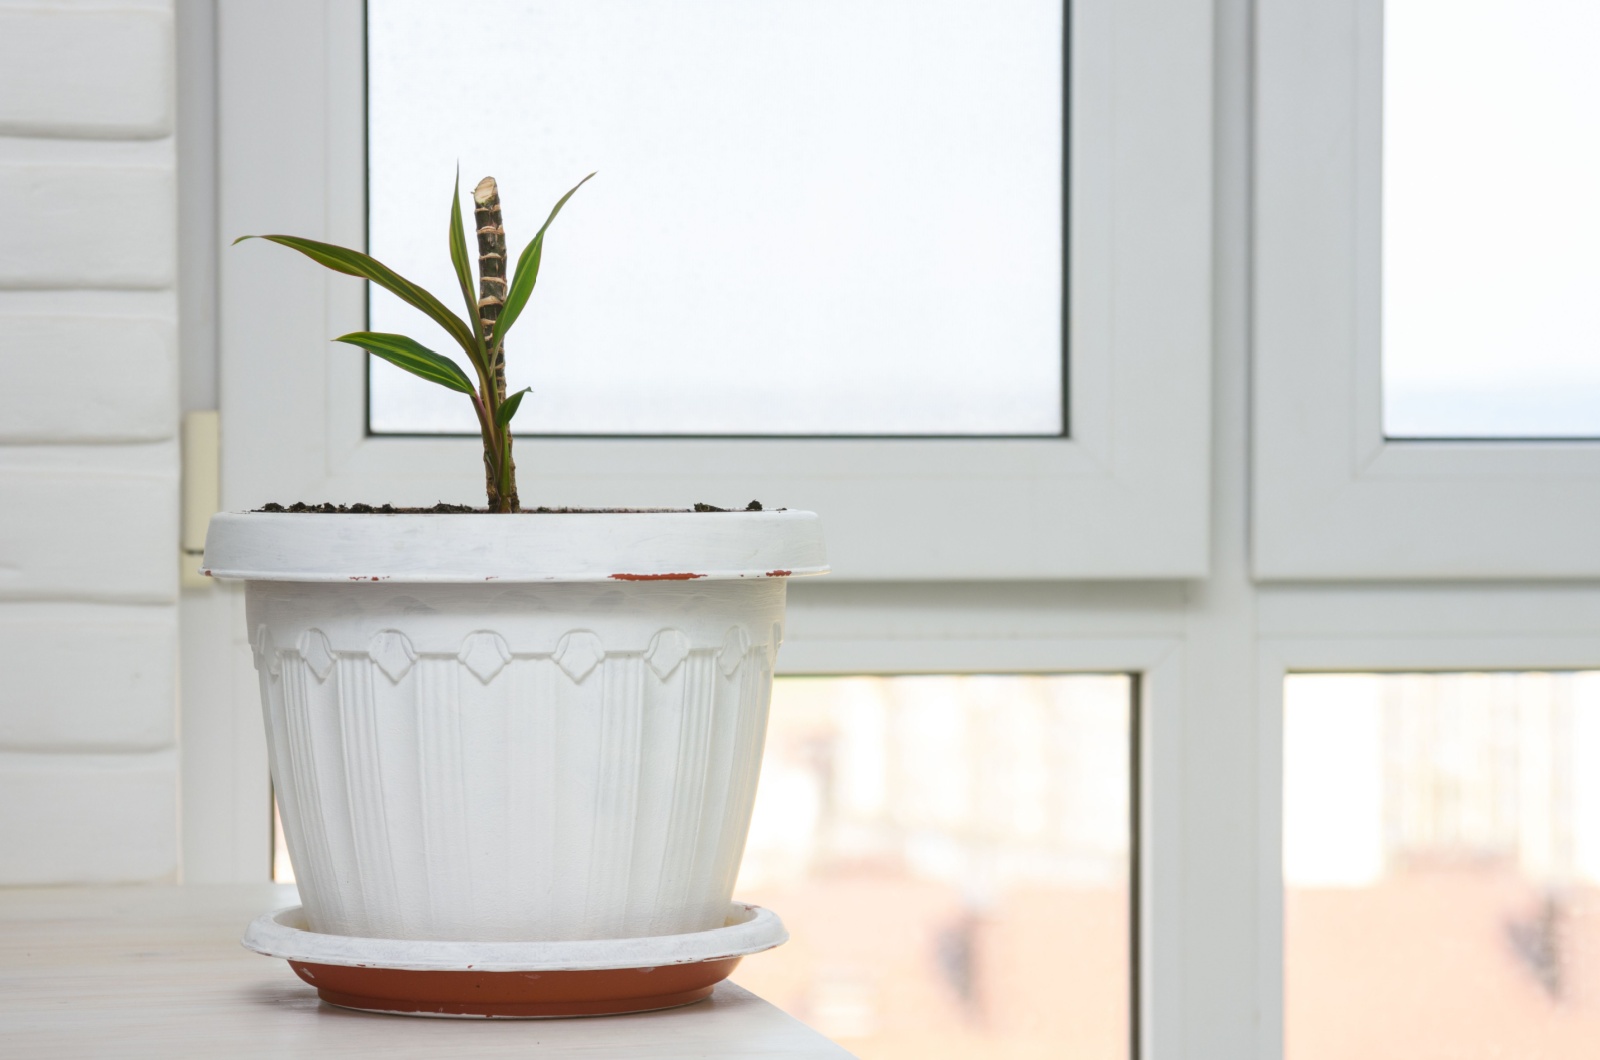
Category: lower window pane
[951,856]
[282,867]
[1441,851]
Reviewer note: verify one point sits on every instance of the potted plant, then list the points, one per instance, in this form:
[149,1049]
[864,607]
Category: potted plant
[498,726]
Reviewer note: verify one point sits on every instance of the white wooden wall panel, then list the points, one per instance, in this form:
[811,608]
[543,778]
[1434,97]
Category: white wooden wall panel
[108,71]
[87,677]
[124,369]
[88,458]
[88,818]
[88,226]
[89,523]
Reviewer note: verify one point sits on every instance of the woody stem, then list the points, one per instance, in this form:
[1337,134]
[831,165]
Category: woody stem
[502,488]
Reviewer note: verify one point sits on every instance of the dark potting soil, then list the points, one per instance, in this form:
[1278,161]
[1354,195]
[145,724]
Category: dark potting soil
[301,507]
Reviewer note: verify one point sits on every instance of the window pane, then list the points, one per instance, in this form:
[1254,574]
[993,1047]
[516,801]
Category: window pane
[1441,857]
[829,217]
[1491,223]
[282,867]
[950,855]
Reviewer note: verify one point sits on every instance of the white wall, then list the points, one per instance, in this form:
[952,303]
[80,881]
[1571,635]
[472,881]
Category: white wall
[88,443]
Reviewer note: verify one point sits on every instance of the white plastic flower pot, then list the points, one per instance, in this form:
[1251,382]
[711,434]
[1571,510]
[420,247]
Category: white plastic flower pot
[515,727]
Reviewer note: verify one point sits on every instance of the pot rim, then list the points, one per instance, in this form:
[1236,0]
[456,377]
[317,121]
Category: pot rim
[522,548]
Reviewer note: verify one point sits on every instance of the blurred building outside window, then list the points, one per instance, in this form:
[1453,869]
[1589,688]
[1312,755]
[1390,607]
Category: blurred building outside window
[1441,860]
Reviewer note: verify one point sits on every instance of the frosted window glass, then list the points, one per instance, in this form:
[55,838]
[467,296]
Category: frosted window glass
[1441,862]
[1491,218]
[829,217]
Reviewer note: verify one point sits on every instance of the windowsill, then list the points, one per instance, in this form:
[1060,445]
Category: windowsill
[99,971]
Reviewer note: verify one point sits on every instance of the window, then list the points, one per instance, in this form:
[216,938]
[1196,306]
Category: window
[1363,308]
[1207,561]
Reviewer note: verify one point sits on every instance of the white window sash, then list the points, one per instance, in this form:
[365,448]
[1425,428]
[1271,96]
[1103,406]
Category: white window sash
[1124,497]
[1373,628]
[1333,498]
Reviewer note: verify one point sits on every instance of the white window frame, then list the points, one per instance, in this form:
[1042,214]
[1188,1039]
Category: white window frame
[1210,655]
[1125,496]
[823,638]
[1333,497]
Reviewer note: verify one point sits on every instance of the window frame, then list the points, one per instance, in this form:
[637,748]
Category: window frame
[1209,656]
[1125,497]
[1334,498]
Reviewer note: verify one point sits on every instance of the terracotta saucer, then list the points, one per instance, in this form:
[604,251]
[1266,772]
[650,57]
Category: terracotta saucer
[518,980]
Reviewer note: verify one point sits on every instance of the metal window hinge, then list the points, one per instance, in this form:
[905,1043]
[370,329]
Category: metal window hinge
[202,492]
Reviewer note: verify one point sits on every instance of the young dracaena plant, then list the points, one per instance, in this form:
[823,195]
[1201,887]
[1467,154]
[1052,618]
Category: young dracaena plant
[481,335]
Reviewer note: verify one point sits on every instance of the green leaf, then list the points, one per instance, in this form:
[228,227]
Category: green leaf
[527,273]
[413,356]
[458,258]
[355,263]
[508,407]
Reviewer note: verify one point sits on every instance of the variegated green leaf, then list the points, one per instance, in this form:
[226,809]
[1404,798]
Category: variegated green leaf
[413,356]
[508,407]
[355,263]
[527,273]
[463,266]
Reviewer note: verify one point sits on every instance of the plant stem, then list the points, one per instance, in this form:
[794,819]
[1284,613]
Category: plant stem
[502,487]
[491,463]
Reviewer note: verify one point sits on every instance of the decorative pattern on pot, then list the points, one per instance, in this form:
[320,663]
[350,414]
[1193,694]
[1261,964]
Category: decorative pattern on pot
[485,654]
[316,652]
[667,649]
[578,653]
[266,652]
[569,762]
[393,653]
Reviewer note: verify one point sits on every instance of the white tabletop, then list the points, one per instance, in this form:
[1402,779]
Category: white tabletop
[159,972]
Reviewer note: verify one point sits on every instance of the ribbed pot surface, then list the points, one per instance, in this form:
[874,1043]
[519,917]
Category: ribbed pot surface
[515,762]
